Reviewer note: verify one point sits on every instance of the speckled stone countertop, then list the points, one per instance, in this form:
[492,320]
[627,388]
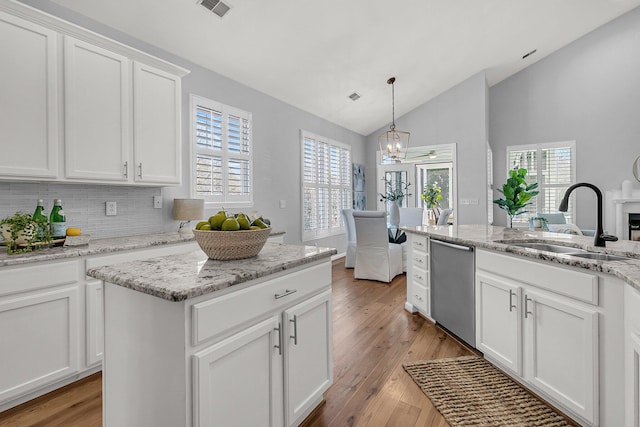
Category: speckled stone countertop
[499,239]
[179,277]
[99,246]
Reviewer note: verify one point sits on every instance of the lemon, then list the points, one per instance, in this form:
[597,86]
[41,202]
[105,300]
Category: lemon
[205,227]
[230,224]
[255,227]
[73,231]
[217,220]
[201,223]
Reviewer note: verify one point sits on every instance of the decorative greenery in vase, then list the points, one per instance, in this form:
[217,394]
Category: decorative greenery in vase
[21,232]
[517,193]
[394,192]
[431,195]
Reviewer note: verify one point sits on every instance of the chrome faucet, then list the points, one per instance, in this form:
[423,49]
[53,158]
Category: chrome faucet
[600,238]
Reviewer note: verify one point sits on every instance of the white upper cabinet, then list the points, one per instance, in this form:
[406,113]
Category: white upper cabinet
[28,99]
[156,125]
[97,112]
[121,113]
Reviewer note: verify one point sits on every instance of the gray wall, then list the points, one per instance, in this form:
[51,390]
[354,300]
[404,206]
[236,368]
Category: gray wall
[456,116]
[276,138]
[589,92]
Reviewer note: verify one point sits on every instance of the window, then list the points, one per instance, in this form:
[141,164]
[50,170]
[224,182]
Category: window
[552,166]
[489,185]
[326,185]
[222,153]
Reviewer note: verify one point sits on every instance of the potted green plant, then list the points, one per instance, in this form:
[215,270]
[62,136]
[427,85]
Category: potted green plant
[393,195]
[21,232]
[431,196]
[517,194]
[537,223]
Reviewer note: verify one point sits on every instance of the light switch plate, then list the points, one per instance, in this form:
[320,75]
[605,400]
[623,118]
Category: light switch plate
[283,204]
[157,202]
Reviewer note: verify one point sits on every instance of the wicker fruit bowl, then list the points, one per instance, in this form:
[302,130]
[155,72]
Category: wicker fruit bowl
[227,245]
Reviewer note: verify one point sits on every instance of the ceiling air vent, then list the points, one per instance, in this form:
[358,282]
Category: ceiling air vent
[354,96]
[216,6]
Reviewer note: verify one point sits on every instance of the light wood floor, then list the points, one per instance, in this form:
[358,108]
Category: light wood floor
[372,335]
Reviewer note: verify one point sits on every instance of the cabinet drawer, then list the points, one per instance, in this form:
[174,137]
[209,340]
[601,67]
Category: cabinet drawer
[419,242]
[419,276]
[419,297]
[37,276]
[213,317]
[579,285]
[419,260]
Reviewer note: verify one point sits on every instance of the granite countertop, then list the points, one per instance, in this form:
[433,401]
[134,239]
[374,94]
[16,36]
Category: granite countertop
[100,246]
[179,277]
[499,239]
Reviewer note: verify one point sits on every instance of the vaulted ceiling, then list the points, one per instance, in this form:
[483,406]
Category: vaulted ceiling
[314,54]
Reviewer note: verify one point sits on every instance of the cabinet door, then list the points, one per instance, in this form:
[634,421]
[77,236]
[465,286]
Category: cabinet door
[39,339]
[156,129]
[97,112]
[632,379]
[238,382]
[561,352]
[94,321]
[498,321]
[308,361]
[29,101]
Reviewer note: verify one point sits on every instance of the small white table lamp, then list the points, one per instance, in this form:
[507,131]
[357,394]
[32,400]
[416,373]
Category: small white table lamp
[187,210]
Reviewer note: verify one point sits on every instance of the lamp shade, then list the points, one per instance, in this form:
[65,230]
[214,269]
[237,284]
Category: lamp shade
[188,209]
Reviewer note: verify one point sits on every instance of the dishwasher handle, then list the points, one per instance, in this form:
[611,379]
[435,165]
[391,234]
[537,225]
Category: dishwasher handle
[452,245]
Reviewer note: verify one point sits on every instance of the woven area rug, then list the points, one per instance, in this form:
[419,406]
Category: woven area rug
[469,391]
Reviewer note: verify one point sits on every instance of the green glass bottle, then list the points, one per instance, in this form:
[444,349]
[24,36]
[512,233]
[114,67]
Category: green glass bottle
[39,213]
[58,220]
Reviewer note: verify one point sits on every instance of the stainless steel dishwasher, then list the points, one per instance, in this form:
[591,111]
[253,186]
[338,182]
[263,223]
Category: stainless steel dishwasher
[453,290]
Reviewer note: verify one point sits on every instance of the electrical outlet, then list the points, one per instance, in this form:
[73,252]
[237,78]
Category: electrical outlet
[157,202]
[111,208]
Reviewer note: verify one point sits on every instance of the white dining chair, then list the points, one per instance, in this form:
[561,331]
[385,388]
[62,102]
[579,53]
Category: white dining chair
[350,234]
[376,258]
[443,219]
[411,217]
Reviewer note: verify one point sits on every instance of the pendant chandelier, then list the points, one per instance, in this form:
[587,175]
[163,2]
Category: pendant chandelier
[393,143]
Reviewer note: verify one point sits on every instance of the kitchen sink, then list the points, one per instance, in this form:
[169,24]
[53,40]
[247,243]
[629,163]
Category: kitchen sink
[598,256]
[547,247]
[566,250]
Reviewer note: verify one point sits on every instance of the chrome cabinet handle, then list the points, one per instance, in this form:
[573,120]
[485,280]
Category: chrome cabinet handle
[511,295]
[279,345]
[419,277]
[420,260]
[285,293]
[526,307]
[140,170]
[295,329]
[418,297]
[126,169]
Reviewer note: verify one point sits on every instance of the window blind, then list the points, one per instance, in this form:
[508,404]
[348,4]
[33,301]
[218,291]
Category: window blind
[222,153]
[552,166]
[326,189]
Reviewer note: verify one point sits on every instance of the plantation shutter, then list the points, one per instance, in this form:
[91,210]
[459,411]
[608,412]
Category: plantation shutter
[552,166]
[223,157]
[326,175]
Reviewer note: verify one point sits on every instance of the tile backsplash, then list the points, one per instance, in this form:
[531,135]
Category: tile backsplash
[84,206]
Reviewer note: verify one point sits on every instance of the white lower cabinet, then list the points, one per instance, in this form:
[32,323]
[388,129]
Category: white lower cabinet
[632,357]
[308,362]
[39,327]
[547,341]
[418,289]
[258,355]
[94,324]
[282,362]
[246,367]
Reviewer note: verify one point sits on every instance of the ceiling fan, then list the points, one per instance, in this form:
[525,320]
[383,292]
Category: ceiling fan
[429,154]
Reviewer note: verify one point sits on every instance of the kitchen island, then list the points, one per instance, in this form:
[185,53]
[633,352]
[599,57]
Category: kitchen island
[192,341]
[550,312]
